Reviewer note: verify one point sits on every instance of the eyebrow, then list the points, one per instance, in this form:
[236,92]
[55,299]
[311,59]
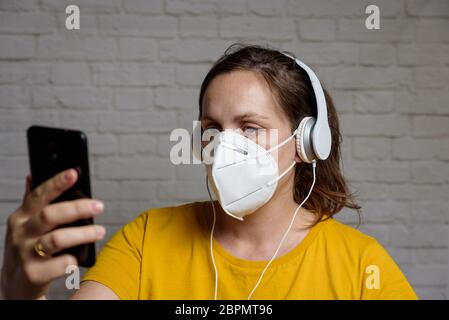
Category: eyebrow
[246,116]
[250,116]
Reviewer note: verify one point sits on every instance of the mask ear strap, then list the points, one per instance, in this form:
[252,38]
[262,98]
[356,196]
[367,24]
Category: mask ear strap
[282,143]
[282,174]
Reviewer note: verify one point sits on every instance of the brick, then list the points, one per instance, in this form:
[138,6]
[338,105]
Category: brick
[402,256]
[430,256]
[16,47]
[43,97]
[136,122]
[24,72]
[27,23]
[343,101]
[191,50]
[378,171]
[137,144]
[13,167]
[13,143]
[19,5]
[69,73]
[418,192]
[190,172]
[421,55]
[428,8]
[372,148]
[424,236]
[133,98]
[268,7]
[191,75]
[425,101]
[199,7]
[377,54]
[105,190]
[419,149]
[137,190]
[12,190]
[172,98]
[388,211]
[164,145]
[84,98]
[78,119]
[75,48]
[432,30]
[18,120]
[14,97]
[325,54]
[430,172]
[102,144]
[131,75]
[433,275]
[429,211]
[397,30]
[329,8]
[137,25]
[372,78]
[182,191]
[144,6]
[429,77]
[317,29]
[257,28]
[134,168]
[430,126]
[431,293]
[198,27]
[374,125]
[137,49]
[374,101]
[86,6]
[372,191]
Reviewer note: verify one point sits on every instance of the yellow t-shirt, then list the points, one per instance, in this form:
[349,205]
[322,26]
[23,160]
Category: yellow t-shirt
[164,254]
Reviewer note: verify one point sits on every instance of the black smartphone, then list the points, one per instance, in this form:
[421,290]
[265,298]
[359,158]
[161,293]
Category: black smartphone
[52,150]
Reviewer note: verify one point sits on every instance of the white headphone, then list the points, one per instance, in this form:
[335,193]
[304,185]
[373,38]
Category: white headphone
[313,136]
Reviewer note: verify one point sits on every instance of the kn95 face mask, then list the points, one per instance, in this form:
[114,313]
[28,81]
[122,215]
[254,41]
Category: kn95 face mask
[243,175]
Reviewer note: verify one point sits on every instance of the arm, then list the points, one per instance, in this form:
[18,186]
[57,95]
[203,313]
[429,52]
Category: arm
[92,290]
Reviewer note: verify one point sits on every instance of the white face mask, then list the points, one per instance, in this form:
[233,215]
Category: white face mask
[243,175]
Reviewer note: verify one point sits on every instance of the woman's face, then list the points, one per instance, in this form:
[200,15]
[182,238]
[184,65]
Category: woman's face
[243,101]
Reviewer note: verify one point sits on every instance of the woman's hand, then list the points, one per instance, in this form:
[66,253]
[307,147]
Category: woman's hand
[32,227]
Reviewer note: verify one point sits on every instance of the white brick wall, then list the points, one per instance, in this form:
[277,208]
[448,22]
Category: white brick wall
[132,73]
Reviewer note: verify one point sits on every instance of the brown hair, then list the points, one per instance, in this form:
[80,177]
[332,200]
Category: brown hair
[293,91]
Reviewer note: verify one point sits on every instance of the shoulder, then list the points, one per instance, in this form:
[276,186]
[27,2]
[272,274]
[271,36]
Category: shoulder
[348,238]
[174,217]
[343,232]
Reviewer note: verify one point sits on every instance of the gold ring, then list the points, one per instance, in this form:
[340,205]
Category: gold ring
[39,249]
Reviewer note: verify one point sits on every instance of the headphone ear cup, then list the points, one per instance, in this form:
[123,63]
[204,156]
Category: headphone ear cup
[304,146]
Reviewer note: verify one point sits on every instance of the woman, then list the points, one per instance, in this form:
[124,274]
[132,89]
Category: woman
[269,235]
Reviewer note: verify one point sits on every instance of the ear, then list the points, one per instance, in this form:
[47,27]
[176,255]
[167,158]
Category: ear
[297,158]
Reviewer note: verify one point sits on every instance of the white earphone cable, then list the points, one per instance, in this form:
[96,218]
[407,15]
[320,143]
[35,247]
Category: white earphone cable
[280,243]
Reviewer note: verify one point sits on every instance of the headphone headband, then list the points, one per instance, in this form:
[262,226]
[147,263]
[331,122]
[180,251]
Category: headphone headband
[321,135]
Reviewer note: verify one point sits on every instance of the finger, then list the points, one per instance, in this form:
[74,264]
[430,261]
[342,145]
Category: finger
[64,238]
[60,213]
[42,272]
[49,190]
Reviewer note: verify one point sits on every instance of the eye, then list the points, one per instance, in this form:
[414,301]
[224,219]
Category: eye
[250,129]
